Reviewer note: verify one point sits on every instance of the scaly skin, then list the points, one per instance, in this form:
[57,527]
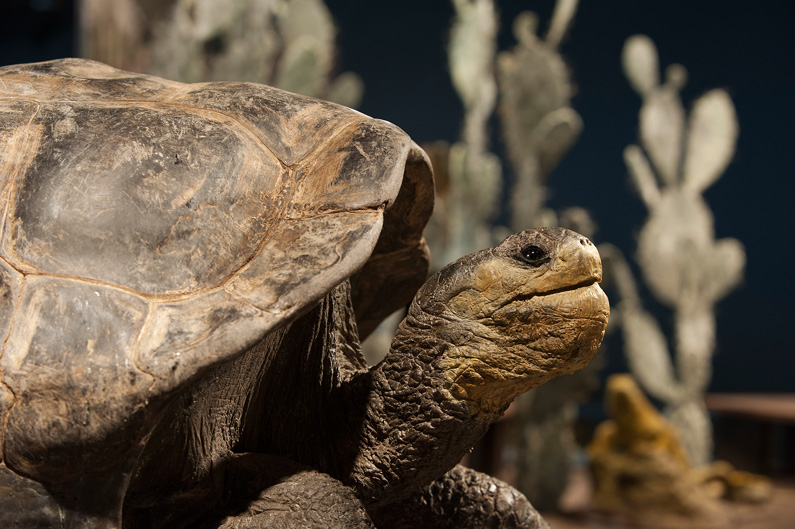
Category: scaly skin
[482,331]
[463,498]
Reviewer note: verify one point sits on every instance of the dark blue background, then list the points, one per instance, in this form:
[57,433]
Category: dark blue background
[744,47]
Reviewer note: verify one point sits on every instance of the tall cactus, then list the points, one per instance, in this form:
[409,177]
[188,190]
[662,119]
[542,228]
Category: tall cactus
[683,265]
[534,90]
[538,125]
[467,174]
[474,172]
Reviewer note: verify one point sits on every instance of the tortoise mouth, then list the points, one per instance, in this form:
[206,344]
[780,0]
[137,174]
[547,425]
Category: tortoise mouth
[582,301]
[569,288]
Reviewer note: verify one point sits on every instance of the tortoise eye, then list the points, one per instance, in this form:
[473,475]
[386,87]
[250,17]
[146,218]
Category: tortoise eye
[533,255]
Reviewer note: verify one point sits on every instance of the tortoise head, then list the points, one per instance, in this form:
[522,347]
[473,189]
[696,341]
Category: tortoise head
[516,315]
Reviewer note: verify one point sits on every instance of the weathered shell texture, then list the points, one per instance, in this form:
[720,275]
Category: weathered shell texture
[152,230]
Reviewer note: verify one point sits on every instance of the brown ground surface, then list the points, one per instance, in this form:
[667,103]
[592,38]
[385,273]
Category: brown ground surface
[778,513]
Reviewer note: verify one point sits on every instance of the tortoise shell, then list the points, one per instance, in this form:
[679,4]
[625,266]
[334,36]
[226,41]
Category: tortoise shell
[152,230]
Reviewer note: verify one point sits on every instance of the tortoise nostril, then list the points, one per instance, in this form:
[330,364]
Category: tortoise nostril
[585,242]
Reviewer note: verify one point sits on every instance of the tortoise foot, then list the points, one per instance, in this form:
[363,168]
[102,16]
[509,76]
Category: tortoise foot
[462,499]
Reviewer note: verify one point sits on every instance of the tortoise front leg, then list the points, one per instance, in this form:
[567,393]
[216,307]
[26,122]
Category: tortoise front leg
[461,499]
[262,491]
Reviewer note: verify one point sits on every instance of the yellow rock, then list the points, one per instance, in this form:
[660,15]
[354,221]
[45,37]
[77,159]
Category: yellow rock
[639,468]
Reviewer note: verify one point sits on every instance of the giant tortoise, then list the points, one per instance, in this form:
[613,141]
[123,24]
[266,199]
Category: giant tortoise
[186,272]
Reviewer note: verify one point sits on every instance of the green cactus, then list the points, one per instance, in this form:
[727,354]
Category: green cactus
[683,265]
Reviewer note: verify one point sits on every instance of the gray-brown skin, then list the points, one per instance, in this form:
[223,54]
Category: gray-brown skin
[186,270]
[447,504]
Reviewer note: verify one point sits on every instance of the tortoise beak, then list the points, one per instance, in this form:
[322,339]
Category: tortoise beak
[578,262]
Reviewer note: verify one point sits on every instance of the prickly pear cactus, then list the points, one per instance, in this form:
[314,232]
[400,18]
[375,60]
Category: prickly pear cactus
[683,265]
[284,43]
[538,125]
[534,90]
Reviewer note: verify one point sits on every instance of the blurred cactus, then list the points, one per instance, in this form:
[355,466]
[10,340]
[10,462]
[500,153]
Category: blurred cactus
[683,265]
[468,176]
[284,43]
[538,126]
[534,90]
[474,173]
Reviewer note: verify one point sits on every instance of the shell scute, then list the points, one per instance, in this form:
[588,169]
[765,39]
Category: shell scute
[67,360]
[157,201]
[182,339]
[291,126]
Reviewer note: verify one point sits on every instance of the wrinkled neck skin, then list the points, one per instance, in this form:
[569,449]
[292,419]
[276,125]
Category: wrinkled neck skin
[479,333]
[415,428]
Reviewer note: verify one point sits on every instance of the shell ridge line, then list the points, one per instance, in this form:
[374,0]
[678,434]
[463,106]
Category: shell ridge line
[34,272]
[266,240]
[136,352]
[336,211]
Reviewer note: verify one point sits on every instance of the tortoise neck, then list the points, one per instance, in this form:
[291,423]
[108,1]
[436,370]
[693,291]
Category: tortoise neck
[413,429]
